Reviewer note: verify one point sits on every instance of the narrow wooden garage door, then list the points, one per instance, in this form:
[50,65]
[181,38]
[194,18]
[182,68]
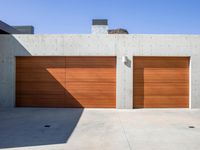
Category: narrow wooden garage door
[66,82]
[161,82]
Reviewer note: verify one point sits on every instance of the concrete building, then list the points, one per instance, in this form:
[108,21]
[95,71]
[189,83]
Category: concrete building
[7,29]
[100,70]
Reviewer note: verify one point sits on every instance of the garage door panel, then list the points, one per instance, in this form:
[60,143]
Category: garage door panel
[97,103]
[40,68]
[138,76]
[92,80]
[66,82]
[41,103]
[166,75]
[157,62]
[162,106]
[39,59]
[177,103]
[92,93]
[161,75]
[161,89]
[41,88]
[40,100]
[166,89]
[161,81]
[90,86]
[163,98]
[72,105]
[100,106]
[93,96]
[88,74]
[45,97]
[148,100]
[90,62]
[40,77]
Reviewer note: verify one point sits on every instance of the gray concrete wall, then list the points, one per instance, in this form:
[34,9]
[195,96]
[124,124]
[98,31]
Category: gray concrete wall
[99,45]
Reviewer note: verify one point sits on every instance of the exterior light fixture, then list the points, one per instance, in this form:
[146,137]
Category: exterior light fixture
[124,59]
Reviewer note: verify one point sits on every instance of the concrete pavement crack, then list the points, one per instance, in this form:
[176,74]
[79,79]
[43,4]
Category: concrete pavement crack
[124,131]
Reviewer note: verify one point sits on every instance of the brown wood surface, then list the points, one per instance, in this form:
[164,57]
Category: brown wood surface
[66,82]
[161,82]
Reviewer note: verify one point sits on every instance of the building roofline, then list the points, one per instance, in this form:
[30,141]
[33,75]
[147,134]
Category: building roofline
[7,29]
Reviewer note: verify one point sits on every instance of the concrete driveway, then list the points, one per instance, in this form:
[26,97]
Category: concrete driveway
[100,129]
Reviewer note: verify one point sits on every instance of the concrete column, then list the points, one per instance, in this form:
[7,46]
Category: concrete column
[124,83]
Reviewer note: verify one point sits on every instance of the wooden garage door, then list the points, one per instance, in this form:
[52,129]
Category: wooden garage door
[66,82]
[161,82]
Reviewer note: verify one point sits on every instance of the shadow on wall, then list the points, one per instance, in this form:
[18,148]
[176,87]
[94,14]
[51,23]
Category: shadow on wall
[32,126]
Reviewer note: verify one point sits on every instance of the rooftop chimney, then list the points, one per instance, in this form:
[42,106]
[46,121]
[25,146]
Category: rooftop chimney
[25,29]
[99,26]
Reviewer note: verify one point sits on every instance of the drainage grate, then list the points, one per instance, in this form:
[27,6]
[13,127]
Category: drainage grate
[47,126]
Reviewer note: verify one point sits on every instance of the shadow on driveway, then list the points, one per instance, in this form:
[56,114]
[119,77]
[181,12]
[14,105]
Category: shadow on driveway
[22,127]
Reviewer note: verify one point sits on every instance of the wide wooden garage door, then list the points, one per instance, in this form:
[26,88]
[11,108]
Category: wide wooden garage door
[66,82]
[161,82]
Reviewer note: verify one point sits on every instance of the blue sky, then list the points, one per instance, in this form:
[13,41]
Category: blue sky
[74,16]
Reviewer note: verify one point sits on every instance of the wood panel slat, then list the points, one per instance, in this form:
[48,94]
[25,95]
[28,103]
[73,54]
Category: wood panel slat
[161,89]
[161,75]
[161,62]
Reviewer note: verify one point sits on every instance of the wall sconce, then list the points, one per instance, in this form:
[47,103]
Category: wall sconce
[124,59]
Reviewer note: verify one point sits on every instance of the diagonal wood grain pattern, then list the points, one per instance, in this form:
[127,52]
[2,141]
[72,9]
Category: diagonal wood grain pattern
[66,82]
[161,82]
